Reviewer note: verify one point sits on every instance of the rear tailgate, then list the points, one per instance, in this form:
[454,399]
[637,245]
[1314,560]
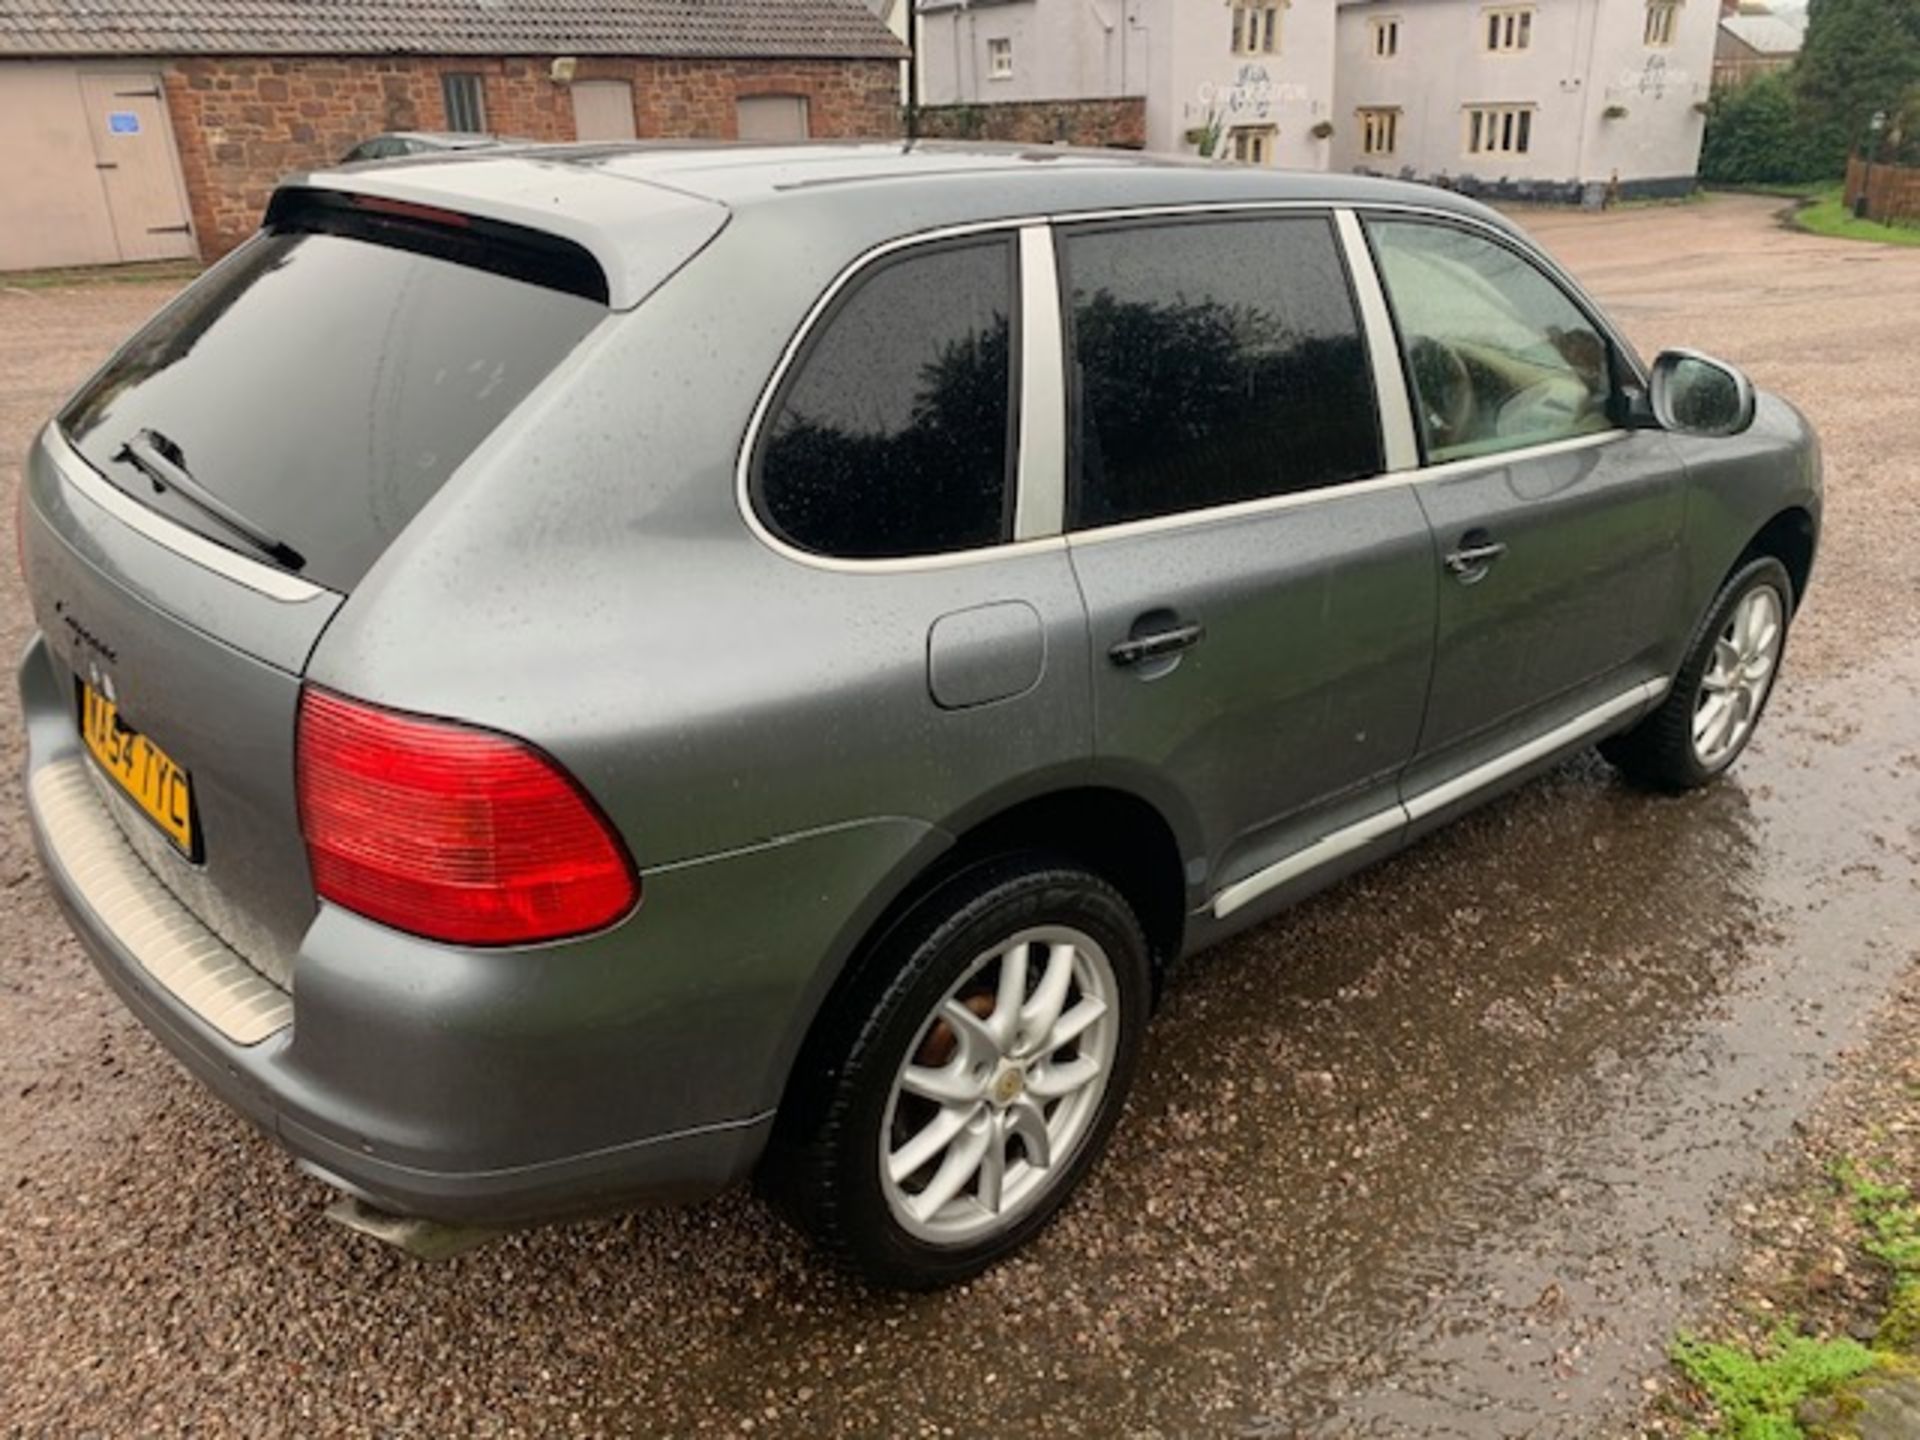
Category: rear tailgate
[200,510]
[204,664]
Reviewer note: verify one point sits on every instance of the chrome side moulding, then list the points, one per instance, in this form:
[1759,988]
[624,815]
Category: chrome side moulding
[1349,838]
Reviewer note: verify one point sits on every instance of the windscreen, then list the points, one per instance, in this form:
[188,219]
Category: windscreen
[309,395]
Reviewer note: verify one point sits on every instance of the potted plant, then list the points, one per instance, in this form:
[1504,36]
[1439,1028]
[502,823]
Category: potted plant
[1206,138]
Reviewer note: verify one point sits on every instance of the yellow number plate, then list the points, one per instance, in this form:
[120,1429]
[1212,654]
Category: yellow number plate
[141,768]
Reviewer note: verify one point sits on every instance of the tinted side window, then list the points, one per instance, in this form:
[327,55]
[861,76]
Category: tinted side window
[1216,362]
[1499,356]
[891,439]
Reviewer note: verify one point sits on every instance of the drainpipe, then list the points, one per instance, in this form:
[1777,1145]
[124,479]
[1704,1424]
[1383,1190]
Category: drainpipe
[1106,50]
[959,70]
[973,52]
[1586,97]
[913,69]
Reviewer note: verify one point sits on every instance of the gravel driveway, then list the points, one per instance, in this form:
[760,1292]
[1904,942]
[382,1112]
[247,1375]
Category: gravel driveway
[1448,1151]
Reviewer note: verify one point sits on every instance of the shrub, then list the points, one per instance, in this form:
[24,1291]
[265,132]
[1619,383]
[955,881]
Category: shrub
[1755,136]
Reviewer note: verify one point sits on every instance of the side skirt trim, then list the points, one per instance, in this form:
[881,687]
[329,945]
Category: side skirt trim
[1349,838]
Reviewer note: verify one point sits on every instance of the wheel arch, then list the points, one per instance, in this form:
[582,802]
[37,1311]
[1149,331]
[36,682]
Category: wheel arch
[1790,538]
[1112,830]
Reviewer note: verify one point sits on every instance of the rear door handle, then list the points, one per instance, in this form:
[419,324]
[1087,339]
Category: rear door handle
[1477,551]
[1160,642]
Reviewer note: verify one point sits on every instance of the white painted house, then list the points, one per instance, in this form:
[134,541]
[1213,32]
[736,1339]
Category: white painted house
[1552,98]
[1254,78]
[1545,98]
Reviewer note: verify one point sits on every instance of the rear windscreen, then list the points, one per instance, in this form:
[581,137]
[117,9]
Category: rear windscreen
[323,383]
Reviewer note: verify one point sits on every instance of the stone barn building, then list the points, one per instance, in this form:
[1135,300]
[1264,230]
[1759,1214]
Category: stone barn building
[136,130]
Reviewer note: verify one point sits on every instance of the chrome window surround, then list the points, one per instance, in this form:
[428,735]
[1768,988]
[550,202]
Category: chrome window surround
[263,579]
[1041,461]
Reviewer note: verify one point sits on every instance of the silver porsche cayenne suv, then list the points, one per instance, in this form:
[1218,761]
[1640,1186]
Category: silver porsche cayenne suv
[570,677]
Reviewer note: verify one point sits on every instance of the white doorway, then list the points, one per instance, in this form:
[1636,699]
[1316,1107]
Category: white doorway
[603,110]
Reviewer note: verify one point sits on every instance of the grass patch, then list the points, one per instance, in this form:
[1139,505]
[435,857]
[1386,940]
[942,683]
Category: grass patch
[1755,1392]
[1891,1218]
[1826,213]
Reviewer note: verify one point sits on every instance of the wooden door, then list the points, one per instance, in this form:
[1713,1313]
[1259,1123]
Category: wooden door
[138,163]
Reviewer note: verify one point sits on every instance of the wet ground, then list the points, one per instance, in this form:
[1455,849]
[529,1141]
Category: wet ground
[1448,1151]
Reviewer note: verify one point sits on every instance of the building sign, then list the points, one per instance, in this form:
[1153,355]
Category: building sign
[122,122]
[1252,94]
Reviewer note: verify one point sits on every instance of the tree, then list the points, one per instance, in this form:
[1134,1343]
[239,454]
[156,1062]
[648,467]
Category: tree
[1755,136]
[1860,56]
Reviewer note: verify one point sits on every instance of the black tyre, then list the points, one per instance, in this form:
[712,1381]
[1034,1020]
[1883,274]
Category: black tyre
[1722,689]
[959,1096]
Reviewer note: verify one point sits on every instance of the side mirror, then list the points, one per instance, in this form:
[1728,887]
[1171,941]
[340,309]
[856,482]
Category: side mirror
[1695,394]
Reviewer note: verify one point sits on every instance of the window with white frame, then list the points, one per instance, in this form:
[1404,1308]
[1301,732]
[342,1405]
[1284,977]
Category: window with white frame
[1254,144]
[1379,130]
[1509,27]
[1383,37]
[1661,15]
[1000,58]
[1256,27]
[1499,129]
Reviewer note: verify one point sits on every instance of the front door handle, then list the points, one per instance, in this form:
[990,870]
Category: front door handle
[1477,551]
[1157,644]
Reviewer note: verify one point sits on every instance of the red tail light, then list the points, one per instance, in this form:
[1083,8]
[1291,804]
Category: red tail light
[451,832]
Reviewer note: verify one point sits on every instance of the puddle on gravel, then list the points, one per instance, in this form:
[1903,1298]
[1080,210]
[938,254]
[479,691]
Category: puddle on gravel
[1446,1151]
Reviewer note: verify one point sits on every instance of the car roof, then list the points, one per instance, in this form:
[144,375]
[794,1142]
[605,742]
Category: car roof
[745,174]
[612,197]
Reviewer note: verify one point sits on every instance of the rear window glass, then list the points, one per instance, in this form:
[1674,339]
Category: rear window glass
[323,386]
[892,438]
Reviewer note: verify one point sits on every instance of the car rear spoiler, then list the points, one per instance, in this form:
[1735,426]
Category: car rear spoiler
[635,234]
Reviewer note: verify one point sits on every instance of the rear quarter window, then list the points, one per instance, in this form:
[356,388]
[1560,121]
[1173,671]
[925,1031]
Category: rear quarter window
[892,435]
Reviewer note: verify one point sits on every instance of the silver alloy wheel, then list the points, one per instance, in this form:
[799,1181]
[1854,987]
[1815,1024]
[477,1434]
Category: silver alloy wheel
[1745,656]
[1000,1088]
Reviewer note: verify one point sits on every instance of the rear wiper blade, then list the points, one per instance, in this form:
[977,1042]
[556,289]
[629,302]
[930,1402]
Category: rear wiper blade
[161,461]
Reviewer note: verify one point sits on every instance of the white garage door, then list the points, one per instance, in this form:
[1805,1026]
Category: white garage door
[773,117]
[88,167]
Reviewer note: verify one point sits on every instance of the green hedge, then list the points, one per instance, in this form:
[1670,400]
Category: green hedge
[1755,136]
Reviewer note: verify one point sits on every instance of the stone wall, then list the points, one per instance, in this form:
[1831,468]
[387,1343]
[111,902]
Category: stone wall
[243,123]
[1119,123]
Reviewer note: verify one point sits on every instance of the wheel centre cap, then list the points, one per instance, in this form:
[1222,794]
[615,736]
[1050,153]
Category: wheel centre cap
[1007,1086]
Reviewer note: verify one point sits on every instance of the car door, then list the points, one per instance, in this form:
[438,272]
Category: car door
[1556,531]
[1260,594]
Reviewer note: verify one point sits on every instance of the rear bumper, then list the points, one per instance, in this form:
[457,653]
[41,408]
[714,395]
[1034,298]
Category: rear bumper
[252,1079]
[636,1066]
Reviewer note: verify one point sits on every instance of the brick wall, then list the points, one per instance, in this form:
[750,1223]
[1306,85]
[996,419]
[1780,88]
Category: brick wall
[243,123]
[1118,122]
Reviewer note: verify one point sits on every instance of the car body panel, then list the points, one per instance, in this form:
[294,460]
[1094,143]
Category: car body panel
[1303,701]
[208,669]
[1580,604]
